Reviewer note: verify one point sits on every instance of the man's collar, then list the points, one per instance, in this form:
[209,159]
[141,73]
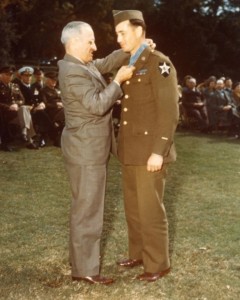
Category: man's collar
[71,58]
[26,84]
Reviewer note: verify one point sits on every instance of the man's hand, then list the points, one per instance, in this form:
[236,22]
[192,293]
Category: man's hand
[59,105]
[198,104]
[124,73]
[41,106]
[150,43]
[154,163]
[227,107]
[13,107]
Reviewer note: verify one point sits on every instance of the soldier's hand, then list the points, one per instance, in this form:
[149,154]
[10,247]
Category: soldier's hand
[154,163]
[41,106]
[13,107]
[59,105]
[124,73]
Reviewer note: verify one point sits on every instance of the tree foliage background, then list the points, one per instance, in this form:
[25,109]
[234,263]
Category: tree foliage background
[202,37]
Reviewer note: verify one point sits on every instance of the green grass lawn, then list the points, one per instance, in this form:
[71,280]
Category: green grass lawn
[203,204]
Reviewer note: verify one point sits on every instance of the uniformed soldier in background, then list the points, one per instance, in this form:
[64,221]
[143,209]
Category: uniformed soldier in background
[41,121]
[145,146]
[13,110]
[38,79]
[50,96]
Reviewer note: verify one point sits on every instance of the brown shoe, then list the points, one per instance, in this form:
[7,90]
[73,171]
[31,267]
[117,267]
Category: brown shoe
[94,279]
[150,277]
[130,263]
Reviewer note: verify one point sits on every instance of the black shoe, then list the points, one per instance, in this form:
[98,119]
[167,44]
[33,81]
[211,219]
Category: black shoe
[24,138]
[32,146]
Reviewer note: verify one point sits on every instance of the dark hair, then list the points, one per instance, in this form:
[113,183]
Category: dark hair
[137,22]
[235,84]
[227,78]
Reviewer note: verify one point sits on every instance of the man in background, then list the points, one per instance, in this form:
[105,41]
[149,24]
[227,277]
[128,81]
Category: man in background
[13,110]
[50,95]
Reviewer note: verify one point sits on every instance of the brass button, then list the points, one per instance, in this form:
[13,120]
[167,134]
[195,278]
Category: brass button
[145,132]
[125,109]
[126,96]
[139,79]
[127,82]
[124,122]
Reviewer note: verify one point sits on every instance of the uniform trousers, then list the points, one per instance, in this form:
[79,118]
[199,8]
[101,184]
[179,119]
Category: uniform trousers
[146,216]
[86,217]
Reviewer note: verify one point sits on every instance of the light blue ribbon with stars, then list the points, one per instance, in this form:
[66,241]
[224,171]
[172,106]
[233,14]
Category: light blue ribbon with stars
[135,56]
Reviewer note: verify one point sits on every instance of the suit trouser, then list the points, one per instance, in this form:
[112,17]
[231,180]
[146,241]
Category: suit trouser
[25,120]
[86,217]
[146,216]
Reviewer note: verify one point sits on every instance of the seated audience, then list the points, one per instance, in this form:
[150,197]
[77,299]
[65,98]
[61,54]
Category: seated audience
[41,121]
[50,96]
[208,91]
[228,85]
[235,95]
[194,105]
[13,110]
[219,106]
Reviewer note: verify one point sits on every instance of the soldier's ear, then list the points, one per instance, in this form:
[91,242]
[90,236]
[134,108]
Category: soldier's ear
[139,31]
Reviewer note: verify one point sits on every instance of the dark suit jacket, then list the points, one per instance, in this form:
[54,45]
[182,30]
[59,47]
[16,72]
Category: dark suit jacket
[87,100]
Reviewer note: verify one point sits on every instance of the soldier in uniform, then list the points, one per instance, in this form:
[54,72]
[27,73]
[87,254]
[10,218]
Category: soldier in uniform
[145,146]
[50,95]
[39,79]
[13,110]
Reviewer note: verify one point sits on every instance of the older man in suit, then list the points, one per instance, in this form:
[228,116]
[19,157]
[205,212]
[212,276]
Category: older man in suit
[86,141]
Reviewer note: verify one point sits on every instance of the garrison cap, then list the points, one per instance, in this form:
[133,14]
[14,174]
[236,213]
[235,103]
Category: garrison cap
[124,15]
[7,69]
[26,70]
[52,75]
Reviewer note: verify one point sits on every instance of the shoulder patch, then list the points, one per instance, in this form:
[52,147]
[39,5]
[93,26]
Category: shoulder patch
[165,69]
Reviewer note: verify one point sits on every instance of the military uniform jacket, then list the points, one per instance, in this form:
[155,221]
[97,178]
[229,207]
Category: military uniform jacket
[50,96]
[190,97]
[10,94]
[87,101]
[149,110]
[29,94]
